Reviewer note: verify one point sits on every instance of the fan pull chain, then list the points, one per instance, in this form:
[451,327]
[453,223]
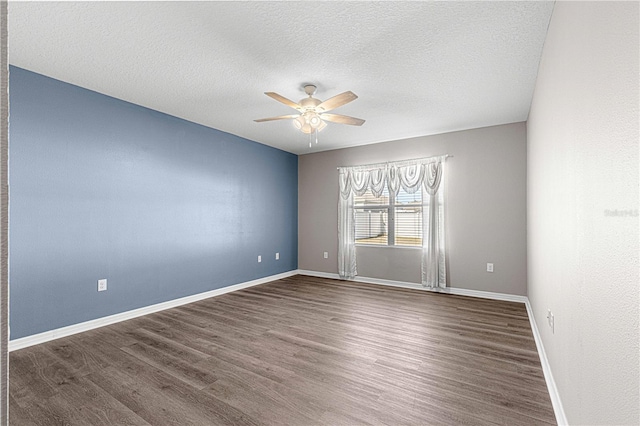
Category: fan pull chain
[310,137]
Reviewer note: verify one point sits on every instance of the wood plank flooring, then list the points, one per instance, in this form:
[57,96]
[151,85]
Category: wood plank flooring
[298,351]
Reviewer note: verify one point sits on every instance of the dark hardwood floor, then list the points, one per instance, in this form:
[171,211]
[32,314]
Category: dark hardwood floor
[298,351]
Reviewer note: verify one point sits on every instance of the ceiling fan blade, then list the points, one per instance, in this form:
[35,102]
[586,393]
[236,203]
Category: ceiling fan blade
[284,100]
[342,119]
[280,117]
[336,101]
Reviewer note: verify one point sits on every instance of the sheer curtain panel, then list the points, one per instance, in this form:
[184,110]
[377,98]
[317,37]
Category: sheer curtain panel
[426,175]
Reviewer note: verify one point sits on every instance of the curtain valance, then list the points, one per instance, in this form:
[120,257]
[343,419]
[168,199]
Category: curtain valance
[408,175]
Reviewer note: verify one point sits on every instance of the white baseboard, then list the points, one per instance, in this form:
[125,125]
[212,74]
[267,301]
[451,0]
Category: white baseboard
[318,274]
[46,336]
[415,286]
[561,418]
[558,409]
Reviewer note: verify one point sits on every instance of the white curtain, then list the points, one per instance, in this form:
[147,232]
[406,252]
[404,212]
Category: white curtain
[426,175]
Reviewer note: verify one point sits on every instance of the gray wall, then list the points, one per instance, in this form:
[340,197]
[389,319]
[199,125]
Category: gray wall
[485,213]
[583,167]
[161,207]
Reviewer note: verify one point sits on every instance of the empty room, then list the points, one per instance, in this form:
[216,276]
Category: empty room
[319,213]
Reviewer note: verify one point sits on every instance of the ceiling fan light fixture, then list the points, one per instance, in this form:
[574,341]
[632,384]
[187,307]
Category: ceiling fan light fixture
[299,122]
[307,129]
[321,126]
[314,120]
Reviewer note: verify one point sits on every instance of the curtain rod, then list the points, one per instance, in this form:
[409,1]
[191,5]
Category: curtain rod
[399,161]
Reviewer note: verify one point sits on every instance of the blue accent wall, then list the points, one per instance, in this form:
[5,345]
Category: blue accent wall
[161,207]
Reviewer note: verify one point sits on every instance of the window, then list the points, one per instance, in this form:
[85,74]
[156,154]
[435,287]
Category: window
[388,219]
[393,218]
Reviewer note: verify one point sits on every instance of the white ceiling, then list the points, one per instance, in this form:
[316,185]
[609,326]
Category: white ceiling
[419,68]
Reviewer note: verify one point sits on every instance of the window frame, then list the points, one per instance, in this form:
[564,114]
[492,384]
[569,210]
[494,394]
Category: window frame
[391,220]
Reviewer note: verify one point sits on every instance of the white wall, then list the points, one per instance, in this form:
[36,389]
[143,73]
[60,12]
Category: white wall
[4,217]
[485,211]
[582,138]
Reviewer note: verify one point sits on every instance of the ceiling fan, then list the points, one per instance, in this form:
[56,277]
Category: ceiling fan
[313,112]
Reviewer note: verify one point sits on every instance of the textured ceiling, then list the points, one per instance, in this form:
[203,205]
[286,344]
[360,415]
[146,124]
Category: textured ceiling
[419,68]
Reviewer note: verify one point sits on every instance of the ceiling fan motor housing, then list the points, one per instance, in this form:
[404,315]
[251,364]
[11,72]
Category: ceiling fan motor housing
[309,103]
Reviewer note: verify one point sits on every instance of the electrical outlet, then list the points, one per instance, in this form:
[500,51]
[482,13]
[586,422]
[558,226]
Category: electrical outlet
[326,255]
[489,267]
[102,285]
[551,320]
[277,256]
[259,258]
